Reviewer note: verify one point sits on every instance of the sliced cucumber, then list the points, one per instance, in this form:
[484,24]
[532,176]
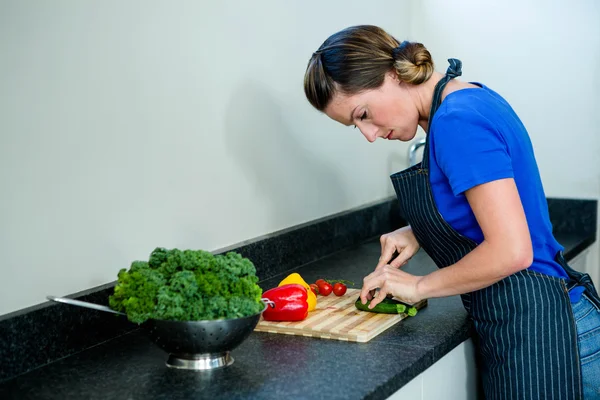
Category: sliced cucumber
[387,306]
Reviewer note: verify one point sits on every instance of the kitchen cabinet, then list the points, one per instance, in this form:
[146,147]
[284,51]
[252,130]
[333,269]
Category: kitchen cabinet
[453,377]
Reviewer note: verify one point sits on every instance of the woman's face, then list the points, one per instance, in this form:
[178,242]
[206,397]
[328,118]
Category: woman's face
[389,112]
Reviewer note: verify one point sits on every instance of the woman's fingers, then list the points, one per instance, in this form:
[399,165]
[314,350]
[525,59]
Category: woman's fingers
[370,283]
[379,297]
[371,294]
[390,281]
[402,258]
[387,251]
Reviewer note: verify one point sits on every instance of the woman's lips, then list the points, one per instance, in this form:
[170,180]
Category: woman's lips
[389,134]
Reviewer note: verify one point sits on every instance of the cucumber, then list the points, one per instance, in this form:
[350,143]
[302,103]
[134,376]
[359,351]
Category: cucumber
[387,306]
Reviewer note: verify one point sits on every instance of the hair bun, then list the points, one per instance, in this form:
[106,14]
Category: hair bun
[412,62]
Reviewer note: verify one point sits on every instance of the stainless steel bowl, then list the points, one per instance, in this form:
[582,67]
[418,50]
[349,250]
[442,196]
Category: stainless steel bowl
[200,345]
[196,345]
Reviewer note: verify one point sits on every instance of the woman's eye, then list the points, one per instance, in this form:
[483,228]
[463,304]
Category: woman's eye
[362,117]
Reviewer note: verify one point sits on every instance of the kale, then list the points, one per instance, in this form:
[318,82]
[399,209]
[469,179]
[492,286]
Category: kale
[187,285]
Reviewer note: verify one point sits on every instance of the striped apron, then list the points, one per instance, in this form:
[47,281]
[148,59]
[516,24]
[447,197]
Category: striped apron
[525,330]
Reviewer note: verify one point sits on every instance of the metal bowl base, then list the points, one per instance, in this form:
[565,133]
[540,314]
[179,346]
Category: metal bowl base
[199,362]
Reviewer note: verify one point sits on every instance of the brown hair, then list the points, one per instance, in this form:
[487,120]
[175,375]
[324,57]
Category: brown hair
[357,58]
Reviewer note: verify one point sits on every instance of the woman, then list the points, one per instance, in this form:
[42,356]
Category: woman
[476,206]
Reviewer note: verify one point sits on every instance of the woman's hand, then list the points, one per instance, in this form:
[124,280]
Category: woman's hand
[393,281]
[402,241]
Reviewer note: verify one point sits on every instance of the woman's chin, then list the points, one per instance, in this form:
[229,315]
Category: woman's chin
[404,137]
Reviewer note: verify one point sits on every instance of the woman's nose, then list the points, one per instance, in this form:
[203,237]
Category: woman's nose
[369,132]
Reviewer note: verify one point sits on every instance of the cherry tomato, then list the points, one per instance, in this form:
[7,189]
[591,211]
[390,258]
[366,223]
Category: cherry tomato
[325,288]
[320,281]
[339,289]
[314,288]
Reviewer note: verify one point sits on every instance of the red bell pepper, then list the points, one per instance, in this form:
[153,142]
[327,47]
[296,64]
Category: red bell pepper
[290,303]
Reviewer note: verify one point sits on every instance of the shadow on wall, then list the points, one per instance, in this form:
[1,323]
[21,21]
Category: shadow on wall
[396,162]
[297,183]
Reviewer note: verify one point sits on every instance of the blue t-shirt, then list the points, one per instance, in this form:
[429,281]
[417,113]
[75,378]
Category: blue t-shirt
[476,137]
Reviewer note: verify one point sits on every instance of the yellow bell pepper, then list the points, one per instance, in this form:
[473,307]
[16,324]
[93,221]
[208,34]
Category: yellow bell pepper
[296,278]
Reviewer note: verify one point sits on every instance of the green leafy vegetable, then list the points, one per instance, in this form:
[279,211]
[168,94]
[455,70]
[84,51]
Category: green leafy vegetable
[187,285]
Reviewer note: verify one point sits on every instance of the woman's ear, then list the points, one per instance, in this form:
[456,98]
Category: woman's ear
[393,75]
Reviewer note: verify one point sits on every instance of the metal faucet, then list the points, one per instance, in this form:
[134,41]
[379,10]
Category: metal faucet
[412,151]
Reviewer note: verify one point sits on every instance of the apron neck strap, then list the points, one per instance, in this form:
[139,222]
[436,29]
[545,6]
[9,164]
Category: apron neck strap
[454,70]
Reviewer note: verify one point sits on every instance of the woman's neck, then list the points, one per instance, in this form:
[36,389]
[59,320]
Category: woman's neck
[425,98]
[424,93]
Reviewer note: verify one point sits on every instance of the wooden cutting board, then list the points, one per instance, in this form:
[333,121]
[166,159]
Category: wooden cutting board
[337,318]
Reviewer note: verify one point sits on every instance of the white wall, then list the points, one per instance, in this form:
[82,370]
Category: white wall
[544,58]
[130,125]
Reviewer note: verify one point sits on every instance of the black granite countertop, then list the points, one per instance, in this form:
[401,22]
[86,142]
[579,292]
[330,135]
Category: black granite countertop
[269,366]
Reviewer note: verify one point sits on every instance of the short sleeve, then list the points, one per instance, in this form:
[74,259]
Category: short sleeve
[469,150]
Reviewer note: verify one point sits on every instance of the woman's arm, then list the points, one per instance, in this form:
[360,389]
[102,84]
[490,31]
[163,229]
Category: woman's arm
[506,249]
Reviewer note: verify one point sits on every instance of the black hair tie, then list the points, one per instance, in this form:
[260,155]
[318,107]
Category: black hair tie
[396,52]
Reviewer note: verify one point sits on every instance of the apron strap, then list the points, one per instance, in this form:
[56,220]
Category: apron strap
[577,278]
[454,70]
